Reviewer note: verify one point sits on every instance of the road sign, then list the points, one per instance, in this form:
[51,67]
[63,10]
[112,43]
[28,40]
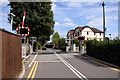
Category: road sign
[33,39]
[23,37]
[81,38]
[23,31]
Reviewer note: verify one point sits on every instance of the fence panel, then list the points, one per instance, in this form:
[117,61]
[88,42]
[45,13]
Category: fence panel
[0,55]
[11,54]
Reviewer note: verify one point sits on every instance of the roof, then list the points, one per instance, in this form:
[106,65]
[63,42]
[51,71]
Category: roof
[71,32]
[93,29]
[96,30]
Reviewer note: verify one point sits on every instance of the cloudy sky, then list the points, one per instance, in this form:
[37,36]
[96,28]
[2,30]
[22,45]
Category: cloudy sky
[68,15]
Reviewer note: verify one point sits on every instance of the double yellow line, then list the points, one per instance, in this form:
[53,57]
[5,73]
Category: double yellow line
[33,71]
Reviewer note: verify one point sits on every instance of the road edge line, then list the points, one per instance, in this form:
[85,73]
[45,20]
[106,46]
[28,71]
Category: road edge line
[111,66]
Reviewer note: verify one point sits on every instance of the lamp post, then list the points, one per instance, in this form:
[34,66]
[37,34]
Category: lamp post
[12,15]
[110,36]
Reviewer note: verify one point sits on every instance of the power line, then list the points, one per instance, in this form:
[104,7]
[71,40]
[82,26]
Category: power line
[89,11]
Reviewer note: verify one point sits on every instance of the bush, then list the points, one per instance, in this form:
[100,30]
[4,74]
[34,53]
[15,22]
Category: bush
[56,47]
[38,44]
[108,51]
[63,48]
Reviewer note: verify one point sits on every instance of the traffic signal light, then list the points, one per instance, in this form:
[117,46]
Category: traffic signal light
[23,31]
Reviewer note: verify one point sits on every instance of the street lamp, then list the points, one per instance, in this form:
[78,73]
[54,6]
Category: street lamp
[110,36]
[12,15]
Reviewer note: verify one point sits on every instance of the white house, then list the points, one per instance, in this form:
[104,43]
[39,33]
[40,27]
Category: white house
[88,32]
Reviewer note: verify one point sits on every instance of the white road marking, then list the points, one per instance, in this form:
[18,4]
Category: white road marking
[49,50]
[26,61]
[74,70]
[48,61]
[33,60]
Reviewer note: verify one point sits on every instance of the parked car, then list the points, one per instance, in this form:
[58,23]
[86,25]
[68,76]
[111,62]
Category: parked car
[44,48]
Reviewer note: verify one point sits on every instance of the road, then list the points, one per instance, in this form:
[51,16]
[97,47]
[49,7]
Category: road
[55,64]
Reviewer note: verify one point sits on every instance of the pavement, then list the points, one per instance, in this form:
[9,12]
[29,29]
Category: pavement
[55,64]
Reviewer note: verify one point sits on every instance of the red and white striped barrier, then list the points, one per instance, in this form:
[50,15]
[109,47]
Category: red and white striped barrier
[18,28]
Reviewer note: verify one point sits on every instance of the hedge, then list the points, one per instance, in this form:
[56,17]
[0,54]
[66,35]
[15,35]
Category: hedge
[108,51]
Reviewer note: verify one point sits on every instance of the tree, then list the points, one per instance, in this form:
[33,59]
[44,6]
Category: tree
[76,41]
[39,17]
[55,38]
[62,44]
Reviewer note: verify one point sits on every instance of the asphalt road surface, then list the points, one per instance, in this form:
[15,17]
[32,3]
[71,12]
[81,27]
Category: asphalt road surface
[54,64]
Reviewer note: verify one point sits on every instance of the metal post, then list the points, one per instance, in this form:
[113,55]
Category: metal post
[104,29]
[81,46]
[18,29]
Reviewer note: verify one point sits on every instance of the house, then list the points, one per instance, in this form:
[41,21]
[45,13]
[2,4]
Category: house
[70,36]
[87,32]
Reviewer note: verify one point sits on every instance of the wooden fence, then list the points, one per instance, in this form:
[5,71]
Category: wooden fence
[10,54]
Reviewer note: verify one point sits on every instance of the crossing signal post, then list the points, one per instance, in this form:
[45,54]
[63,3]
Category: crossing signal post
[23,31]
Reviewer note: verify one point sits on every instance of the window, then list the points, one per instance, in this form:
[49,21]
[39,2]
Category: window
[87,39]
[75,34]
[100,34]
[78,33]
[94,33]
[87,33]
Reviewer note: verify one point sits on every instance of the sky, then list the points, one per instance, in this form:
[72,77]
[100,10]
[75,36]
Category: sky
[71,14]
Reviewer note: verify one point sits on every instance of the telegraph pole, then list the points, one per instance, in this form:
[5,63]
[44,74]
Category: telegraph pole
[104,29]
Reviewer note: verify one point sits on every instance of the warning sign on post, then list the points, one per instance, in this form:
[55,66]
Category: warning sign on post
[23,31]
